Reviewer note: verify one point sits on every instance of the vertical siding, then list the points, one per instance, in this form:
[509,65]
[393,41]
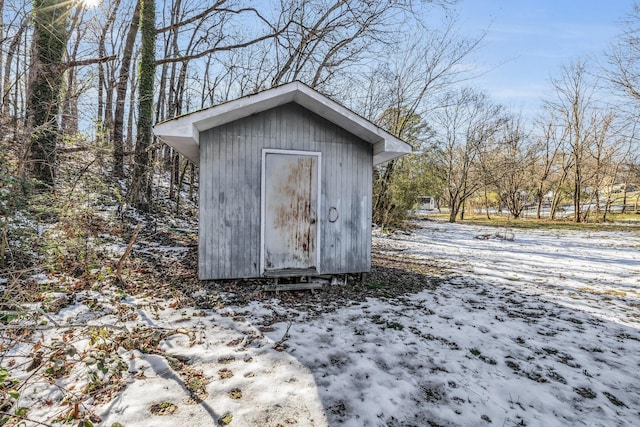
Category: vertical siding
[230,173]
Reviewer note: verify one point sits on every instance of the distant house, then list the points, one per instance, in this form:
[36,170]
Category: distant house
[285,183]
[427,203]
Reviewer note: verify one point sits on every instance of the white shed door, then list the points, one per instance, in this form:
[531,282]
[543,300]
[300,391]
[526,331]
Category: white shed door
[290,206]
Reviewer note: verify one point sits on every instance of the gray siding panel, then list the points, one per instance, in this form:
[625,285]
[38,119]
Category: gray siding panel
[230,173]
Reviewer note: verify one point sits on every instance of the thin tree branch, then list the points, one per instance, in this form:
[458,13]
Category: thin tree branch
[187,58]
[127,252]
[91,61]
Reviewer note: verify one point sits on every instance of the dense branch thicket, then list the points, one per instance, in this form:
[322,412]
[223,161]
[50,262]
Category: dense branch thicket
[78,77]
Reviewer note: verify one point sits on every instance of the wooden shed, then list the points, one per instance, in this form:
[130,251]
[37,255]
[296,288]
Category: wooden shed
[285,183]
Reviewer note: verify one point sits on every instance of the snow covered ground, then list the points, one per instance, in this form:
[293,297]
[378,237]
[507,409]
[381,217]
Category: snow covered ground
[540,329]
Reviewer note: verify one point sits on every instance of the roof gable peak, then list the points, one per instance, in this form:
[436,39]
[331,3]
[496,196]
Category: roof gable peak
[183,132]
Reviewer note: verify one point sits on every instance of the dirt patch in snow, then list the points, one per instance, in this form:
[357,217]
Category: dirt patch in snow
[393,275]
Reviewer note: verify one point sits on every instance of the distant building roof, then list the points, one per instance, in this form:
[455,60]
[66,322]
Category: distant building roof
[183,132]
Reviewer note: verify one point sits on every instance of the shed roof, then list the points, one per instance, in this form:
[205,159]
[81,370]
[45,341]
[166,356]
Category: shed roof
[183,132]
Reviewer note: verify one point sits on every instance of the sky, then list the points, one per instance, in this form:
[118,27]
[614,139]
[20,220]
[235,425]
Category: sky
[529,40]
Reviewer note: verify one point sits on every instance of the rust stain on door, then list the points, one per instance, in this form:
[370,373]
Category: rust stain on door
[290,217]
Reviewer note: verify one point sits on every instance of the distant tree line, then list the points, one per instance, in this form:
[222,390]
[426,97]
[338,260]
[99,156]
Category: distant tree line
[71,72]
[582,148]
[578,150]
[74,77]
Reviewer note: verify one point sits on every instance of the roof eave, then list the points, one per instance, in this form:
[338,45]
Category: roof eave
[389,149]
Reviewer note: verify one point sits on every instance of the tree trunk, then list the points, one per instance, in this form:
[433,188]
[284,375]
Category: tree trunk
[7,85]
[608,203]
[597,202]
[577,195]
[69,119]
[554,205]
[462,204]
[20,104]
[174,175]
[556,194]
[539,198]
[383,198]
[486,202]
[452,215]
[192,179]
[141,185]
[128,143]
[121,94]
[2,87]
[104,120]
[45,81]
[179,186]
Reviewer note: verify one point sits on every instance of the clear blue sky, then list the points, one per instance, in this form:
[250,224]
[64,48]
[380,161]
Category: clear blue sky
[533,38]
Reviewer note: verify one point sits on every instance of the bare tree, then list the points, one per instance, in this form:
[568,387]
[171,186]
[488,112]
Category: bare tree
[121,92]
[515,163]
[628,167]
[547,146]
[464,126]
[9,84]
[631,181]
[624,57]
[411,87]
[104,117]
[573,106]
[69,113]
[601,160]
[324,38]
